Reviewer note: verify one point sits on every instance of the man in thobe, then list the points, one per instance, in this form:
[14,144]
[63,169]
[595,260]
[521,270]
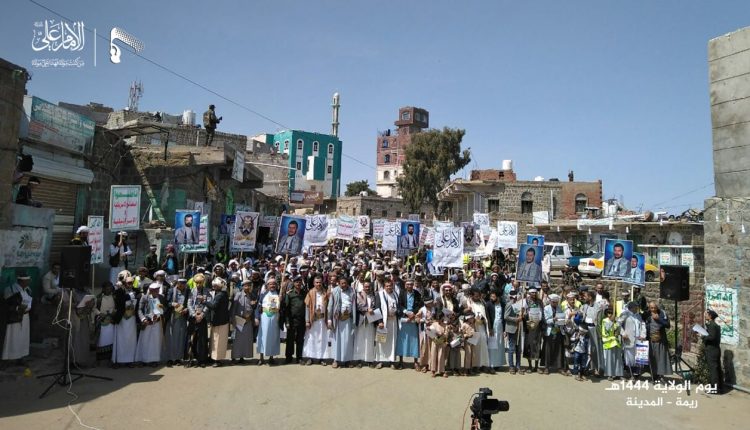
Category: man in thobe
[513,316]
[410,301]
[219,305]
[425,317]
[151,340]
[316,337]
[364,338]
[267,319]
[482,327]
[342,318]
[198,322]
[17,307]
[81,237]
[496,342]
[178,302]
[126,325]
[533,329]
[242,316]
[81,316]
[119,251]
[293,316]
[51,285]
[387,302]
[554,317]
[658,351]
[152,261]
[593,312]
[104,311]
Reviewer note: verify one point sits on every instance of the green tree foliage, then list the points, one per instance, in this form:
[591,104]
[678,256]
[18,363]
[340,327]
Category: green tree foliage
[431,158]
[356,187]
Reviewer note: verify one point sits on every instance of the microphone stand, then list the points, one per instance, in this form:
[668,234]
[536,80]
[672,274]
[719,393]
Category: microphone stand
[65,376]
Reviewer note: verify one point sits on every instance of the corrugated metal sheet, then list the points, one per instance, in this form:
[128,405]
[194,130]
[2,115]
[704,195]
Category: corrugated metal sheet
[61,197]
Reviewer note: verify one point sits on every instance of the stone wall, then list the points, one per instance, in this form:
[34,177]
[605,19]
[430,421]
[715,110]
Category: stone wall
[12,89]
[379,207]
[728,264]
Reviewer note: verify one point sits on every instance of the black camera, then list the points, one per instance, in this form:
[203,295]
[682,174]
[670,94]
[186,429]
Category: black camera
[483,407]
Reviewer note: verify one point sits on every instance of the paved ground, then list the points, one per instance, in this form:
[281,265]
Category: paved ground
[316,397]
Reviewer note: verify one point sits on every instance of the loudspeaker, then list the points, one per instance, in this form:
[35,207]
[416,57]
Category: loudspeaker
[75,265]
[674,283]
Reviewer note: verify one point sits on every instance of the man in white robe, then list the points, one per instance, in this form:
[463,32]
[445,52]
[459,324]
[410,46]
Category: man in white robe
[387,302]
[316,337]
[151,340]
[17,331]
[364,339]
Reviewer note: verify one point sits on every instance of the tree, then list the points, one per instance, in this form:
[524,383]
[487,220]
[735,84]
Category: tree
[431,158]
[356,187]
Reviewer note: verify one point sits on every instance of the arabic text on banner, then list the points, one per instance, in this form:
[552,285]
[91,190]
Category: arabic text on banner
[124,207]
[333,225]
[96,238]
[391,232]
[449,248]
[483,220]
[363,226]
[440,225]
[316,233]
[377,228]
[723,301]
[245,231]
[203,235]
[507,234]
[345,227]
[427,236]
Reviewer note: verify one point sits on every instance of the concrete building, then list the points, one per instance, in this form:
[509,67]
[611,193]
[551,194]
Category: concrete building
[13,80]
[380,207]
[391,148]
[314,161]
[727,216]
[504,197]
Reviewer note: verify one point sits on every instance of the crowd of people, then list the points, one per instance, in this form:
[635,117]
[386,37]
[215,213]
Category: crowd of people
[351,304]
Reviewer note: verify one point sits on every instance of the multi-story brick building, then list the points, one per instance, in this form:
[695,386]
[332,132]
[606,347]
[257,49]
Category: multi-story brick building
[391,148]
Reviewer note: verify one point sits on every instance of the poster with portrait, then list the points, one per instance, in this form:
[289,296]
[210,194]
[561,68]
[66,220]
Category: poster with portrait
[637,274]
[291,235]
[377,228]
[316,231]
[187,229]
[432,269]
[245,231]
[617,255]
[408,240]
[449,248]
[345,228]
[529,266]
[507,234]
[226,226]
[535,239]
[471,235]
[391,232]
[363,226]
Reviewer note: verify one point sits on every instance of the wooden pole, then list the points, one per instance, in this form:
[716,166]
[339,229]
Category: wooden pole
[184,263]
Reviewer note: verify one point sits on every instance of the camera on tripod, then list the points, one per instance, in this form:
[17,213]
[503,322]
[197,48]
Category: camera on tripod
[483,407]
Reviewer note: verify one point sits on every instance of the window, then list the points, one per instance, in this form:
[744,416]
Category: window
[398,214]
[368,212]
[316,147]
[385,143]
[386,175]
[276,145]
[581,202]
[300,144]
[330,169]
[286,147]
[493,205]
[387,158]
[527,204]
[384,214]
[405,116]
[422,215]
[330,149]
[299,166]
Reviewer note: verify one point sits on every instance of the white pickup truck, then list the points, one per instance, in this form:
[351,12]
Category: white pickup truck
[561,256]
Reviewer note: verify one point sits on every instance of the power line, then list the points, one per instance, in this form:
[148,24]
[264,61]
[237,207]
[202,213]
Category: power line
[197,84]
[682,195]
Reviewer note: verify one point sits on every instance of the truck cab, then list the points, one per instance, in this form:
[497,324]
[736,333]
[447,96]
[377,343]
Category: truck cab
[559,253]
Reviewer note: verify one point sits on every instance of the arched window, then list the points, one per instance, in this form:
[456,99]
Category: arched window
[330,149]
[386,175]
[276,145]
[286,147]
[387,158]
[300,144]
[316,146]
[527,203]
[581,202]
[385,143]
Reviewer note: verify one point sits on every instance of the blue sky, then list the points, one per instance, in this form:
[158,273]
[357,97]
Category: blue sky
[614,90]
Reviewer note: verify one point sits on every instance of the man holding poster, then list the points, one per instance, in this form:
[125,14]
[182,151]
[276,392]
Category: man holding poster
[291,234]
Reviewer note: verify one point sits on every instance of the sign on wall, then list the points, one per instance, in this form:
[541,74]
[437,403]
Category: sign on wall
[23,248]
[723,301]
[58,126]
[124,207]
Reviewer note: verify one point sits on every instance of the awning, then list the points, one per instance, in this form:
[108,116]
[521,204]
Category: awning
[57,166]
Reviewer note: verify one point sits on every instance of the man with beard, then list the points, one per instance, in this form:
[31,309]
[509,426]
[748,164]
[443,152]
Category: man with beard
[293,315]
[188,233]
[316,337]
[342,318]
